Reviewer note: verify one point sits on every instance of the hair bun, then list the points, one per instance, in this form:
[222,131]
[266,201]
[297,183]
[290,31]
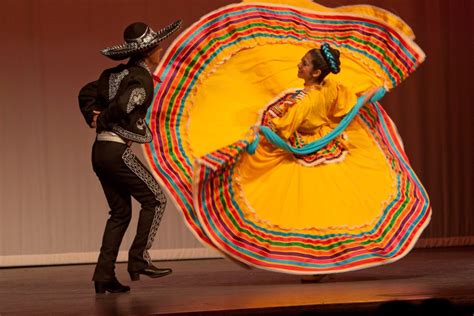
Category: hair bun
[335,53]
[331,56]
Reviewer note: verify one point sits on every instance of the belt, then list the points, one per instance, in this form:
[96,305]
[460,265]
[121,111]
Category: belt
[108,136]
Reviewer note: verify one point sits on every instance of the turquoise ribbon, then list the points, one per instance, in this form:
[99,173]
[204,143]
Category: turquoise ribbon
[317,144]
[252,147]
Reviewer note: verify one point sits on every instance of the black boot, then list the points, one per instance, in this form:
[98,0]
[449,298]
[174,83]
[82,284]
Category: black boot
[112,286]
[151,271]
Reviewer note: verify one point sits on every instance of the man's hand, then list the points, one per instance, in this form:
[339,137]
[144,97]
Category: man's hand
[94,119]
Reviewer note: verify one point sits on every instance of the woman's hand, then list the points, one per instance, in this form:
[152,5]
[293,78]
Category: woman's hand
[371,94]
[254,130]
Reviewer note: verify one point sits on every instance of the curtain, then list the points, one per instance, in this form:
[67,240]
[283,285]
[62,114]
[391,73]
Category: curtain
[52,209]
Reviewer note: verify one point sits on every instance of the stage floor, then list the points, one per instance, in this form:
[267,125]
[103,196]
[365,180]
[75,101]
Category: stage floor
[220,287]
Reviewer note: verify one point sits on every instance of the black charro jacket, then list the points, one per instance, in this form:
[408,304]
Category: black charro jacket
[122,95]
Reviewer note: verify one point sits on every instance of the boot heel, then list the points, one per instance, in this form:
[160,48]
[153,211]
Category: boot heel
[134,276]
[99,289]
[112,286]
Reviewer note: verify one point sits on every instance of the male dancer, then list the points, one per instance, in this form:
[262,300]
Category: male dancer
[116,105]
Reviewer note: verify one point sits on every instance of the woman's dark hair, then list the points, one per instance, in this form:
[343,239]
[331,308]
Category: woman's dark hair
[325,59]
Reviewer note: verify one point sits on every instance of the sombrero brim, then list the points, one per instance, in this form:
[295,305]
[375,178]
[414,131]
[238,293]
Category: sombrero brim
[126,50]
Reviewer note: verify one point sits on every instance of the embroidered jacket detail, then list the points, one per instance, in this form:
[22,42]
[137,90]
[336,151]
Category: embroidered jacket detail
[114,82]
[137,97]
[134,136]
[141,63]
[141,124]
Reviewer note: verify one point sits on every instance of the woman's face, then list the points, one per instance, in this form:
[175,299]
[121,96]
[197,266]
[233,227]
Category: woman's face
[305,69]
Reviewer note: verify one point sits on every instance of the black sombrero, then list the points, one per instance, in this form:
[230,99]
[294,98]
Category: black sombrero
[139,38]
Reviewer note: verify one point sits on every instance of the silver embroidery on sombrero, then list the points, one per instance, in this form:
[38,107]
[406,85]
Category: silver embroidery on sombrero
[137,168]
[146,42]
[114,82]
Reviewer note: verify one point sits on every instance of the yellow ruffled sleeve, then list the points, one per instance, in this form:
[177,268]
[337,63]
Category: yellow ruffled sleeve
[344,101]
[286,125]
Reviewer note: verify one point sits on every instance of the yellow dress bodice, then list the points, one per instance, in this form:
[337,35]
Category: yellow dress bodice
[318,111]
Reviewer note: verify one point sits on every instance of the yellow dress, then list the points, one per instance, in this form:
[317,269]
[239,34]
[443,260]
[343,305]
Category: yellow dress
[354,203]
[350,191]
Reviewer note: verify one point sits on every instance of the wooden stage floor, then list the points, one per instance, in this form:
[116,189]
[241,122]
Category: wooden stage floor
[219,287]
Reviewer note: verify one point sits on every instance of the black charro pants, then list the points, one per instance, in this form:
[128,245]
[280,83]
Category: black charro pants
[123,176]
